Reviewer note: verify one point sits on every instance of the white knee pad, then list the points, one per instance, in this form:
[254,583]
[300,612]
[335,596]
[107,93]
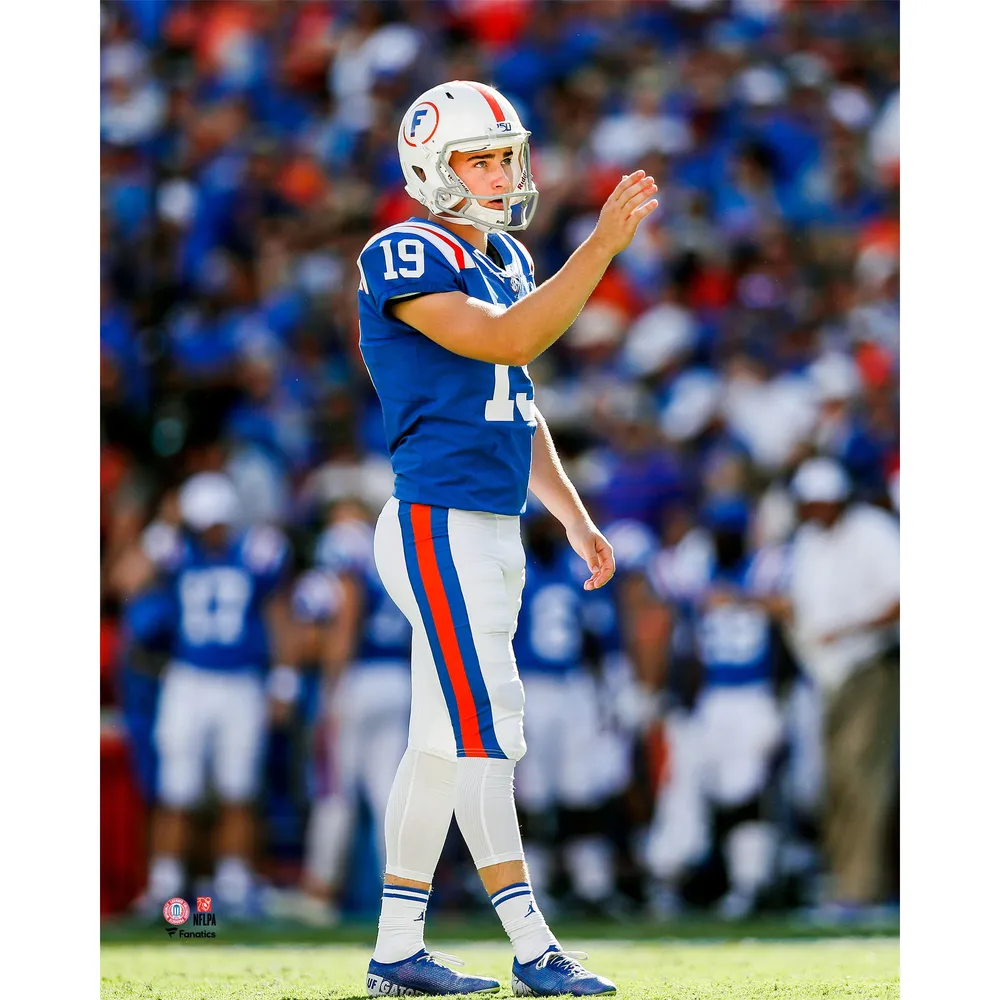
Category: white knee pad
[508,717]
[484,809]
[417,817]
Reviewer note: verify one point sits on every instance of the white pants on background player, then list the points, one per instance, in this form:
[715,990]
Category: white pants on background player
[572,763]
[720,754]
[364,729]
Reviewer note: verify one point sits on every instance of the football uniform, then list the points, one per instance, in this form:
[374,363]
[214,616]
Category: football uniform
[721,752]
[459,432]
[802,711]
[561,717]
[213,701]
[149,623]
[365,713]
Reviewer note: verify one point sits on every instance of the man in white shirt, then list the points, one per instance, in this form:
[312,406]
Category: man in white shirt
[844,591]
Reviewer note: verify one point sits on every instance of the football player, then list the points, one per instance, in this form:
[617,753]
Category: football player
[558,780]
[213,702]
[362,642]
[450,319]
[722,753]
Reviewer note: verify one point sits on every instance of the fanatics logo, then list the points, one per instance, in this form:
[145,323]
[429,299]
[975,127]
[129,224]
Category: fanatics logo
[204,904]
[176,911]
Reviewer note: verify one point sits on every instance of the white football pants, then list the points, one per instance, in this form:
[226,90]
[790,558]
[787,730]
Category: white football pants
[209,716]
[363,738]
[457,576]
[719,755]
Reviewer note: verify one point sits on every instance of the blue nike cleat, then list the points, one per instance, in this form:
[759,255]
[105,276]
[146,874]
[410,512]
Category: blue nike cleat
[557,973]
[421,976]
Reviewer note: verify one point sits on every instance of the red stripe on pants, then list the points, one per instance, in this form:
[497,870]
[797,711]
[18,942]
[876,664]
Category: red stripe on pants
[444,626]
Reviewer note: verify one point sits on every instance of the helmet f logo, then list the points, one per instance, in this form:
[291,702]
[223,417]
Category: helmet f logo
[417,115]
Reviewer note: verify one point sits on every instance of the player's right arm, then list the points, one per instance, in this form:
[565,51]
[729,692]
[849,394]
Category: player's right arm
[517,335]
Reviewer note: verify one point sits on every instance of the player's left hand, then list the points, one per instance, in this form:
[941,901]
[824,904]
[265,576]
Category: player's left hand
[595,550]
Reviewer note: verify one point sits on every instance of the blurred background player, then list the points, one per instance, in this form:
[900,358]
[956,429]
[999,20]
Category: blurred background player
[362,643]
[561,779]
[800,769]
[213,705]
[844,590]
[722,753]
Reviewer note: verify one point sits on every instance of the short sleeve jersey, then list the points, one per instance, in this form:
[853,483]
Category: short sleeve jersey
[349,548]
[734,639]
[221,597]
[550,628]
[459,431]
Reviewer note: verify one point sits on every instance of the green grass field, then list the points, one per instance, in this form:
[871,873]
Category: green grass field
[862,968]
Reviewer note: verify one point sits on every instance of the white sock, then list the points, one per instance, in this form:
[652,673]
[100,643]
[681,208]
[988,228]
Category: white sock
[166,877]
[400,923]
[233,880]
[523,921]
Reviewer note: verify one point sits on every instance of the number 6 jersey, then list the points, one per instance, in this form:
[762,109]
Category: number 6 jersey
[459,431]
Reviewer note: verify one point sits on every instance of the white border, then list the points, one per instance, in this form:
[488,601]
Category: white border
[951,325]
[49,412]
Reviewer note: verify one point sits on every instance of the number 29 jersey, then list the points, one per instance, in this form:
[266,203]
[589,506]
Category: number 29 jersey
[459,431]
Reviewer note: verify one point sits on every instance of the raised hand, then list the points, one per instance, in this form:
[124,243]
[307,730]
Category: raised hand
[623,211]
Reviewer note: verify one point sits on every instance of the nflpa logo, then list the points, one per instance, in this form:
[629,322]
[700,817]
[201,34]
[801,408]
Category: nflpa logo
[203,915]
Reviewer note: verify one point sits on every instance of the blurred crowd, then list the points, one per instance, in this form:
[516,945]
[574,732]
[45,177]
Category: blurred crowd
[727,404]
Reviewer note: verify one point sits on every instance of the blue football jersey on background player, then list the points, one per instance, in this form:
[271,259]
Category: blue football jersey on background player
[385,631]
[149,625]
[634,545]
[459,431]
[734,639]
[221,597]
[550,626]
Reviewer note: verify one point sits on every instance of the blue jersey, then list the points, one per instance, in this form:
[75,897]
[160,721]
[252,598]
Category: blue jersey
[149,620]
[550,626]
[348,548]
[459,431]
[734,638]
[634,546]
[220,598]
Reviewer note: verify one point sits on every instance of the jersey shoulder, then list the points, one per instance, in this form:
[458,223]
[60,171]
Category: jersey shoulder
[317,596]
[163,545]
[263,550]
[347,547]
[411,258]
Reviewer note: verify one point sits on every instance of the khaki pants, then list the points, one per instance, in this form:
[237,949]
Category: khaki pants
[861,737]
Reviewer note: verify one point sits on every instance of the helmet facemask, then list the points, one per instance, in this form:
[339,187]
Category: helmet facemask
[518,204]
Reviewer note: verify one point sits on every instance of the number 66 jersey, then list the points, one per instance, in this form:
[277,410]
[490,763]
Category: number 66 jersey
[459,431]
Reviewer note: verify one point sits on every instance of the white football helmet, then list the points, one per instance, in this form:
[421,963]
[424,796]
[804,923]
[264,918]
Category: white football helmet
[465,117]
[208,499]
